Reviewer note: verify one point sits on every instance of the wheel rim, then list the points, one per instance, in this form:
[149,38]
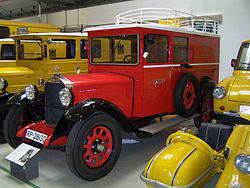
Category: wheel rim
[189,95]
[206,110]
[97,146]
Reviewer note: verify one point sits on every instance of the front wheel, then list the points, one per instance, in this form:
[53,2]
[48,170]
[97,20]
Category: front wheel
[12,124]
[93,146]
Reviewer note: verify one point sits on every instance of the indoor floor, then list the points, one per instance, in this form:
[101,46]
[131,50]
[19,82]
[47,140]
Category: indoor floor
[53,170]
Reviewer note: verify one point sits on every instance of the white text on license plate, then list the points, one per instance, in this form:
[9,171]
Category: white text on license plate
[245,109]
[35,136]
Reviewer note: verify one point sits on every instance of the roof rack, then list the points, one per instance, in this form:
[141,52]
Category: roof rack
[169,18]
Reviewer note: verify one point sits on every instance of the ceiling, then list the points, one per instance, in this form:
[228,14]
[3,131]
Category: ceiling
[12,9]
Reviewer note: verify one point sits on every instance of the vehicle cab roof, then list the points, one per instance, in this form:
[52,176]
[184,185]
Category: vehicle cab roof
[77,34]
[6,40]
[150,26]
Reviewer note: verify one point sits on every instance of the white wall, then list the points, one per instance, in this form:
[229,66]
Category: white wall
[234,29]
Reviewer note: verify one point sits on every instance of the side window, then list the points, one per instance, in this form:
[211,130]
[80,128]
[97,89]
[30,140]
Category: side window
[180,49]
[83,46]
[158,49]
[96,48]
[8,52]
[4,32]
[62,49]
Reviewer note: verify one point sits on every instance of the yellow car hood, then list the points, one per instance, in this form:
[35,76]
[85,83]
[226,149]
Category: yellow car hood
[240,90]
[17,71]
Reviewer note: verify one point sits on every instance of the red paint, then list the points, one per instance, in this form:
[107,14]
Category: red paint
[113,83]
[41,127]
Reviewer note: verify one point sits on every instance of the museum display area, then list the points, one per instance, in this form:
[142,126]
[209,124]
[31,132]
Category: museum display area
[123,93]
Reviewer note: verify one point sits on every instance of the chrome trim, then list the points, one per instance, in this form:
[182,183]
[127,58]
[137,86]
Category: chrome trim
[157,184]
[66,82]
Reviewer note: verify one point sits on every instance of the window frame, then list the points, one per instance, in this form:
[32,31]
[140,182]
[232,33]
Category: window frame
[116,64]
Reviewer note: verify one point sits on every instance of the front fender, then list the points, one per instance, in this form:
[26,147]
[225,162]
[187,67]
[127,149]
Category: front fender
[85,108]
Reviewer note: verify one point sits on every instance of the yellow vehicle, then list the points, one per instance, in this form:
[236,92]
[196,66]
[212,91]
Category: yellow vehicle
[8,28]
[7,52]
[232,94]
[191,161]
[38,55]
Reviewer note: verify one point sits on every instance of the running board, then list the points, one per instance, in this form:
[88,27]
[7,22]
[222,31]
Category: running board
[162,125]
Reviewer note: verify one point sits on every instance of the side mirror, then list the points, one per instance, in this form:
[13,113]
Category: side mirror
[233,62]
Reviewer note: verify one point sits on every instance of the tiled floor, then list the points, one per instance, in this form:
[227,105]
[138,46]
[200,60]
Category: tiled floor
[53,169]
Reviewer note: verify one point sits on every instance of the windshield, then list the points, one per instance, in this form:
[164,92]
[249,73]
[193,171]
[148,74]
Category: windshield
[121,49]
[30,49]
[243,60]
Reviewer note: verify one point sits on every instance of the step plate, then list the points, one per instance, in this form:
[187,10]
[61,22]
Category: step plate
[160,126]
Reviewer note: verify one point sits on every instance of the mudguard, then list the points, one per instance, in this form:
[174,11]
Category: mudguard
[85,108]
[186,161]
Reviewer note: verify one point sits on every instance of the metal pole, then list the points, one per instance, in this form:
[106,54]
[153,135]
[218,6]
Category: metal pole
[40,12]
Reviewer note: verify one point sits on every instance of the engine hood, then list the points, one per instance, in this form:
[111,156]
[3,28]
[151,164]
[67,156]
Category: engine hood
[240,89]
[17,78]
[115,88]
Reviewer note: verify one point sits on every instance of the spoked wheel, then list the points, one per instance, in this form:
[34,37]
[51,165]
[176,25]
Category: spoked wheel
[207,107]
[206,110]
[186,97]
[12,124]
[189,95]
[93,146]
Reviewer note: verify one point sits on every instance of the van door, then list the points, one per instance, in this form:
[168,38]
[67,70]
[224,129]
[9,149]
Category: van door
[65,54]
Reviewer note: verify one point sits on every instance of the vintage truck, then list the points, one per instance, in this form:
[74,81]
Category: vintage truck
[137,71]
[36,56]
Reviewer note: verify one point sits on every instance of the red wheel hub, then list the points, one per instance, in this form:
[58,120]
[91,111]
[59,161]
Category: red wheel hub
[189,95]
[98,146]
[206,110]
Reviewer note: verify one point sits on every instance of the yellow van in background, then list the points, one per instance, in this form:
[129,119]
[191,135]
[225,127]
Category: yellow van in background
[8,28]
[39,57]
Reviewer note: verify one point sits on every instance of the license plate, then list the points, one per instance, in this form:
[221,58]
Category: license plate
[245,109]
[35,136]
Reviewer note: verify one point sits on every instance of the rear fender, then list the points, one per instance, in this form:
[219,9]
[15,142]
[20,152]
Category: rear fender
[85,108]
[186,161]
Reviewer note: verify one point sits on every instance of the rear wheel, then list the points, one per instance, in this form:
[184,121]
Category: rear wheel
[93,146]
[186,95]
[206,110]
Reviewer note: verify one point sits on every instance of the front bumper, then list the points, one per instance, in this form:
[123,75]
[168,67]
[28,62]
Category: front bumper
[230,118]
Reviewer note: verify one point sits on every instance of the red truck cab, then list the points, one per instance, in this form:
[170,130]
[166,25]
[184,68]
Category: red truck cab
[136,72]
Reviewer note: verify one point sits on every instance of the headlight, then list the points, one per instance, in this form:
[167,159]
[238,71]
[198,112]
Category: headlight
[3,84]
[30,92]
[65,96]
[219,92]
[242,163]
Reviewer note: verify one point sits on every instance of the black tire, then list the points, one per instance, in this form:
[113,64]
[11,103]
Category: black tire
[80,138]
[11,123]
[186,105]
